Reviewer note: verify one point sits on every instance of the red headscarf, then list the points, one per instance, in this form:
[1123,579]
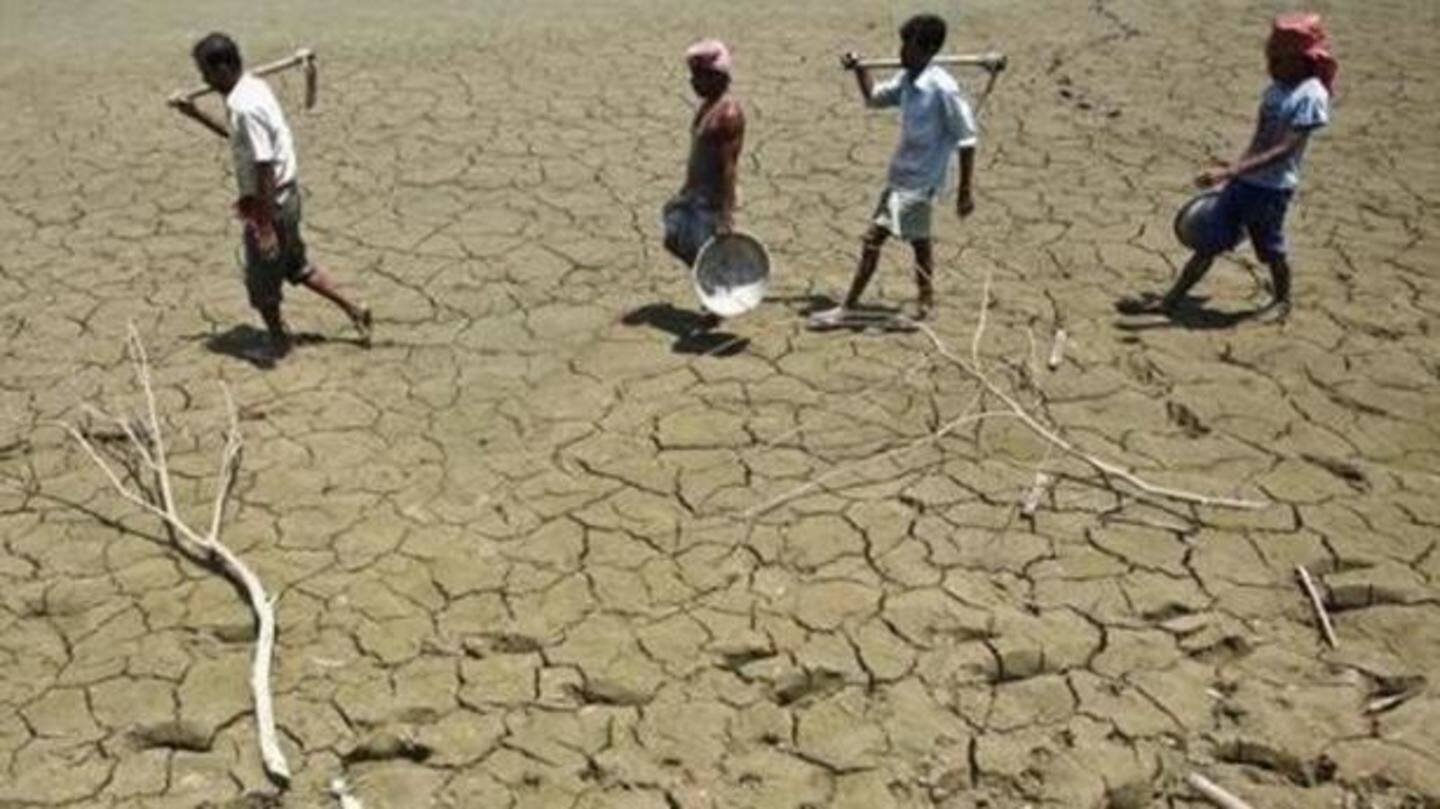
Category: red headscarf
[1301,33]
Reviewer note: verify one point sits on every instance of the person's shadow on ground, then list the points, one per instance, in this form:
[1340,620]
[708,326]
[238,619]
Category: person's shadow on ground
[694,332]
[252,345]
[1191,313]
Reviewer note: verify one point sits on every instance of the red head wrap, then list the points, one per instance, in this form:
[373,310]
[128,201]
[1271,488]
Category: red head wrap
[1302,34]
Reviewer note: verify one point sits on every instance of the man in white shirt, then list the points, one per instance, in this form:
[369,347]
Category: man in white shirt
[269,196]
[936,120]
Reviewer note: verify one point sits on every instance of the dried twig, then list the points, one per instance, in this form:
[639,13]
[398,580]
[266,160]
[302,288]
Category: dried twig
[147,442]
[1382,704]
[1037,490]
[1057,349]
[973,370]
[1214,793]
[965,418]
[1310,590]
[1013,409]
[340,791]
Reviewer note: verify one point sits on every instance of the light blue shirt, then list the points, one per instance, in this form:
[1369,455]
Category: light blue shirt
[935,120]
[1303,107]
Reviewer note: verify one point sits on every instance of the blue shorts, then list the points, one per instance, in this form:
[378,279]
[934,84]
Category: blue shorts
[689,224]
[1255,211]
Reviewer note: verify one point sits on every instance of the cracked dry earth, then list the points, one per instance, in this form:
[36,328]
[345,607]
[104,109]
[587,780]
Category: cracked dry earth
[531,551]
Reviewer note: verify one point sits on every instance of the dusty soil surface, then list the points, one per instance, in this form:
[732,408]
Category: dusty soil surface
[538,548]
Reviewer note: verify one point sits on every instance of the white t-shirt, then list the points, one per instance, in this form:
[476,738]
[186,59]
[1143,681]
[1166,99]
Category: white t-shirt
[935,120]
[1304,107]
[258,134]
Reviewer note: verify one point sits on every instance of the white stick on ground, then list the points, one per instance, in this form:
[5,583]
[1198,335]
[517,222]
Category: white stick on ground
[1018,410]
[1057,349]
[1013,409]
[1327,628]
[148,445]
[340,791]
[1037,491]
[1214,793]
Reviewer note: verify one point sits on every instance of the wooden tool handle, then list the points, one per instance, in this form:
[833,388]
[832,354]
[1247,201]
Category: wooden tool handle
[312,81]
[993,61]
[304,56]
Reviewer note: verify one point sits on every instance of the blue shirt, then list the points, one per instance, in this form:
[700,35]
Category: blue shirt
[1303,107]
[935,120]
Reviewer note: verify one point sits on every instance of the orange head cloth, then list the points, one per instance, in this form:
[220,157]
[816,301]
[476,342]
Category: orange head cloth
[711,54]
[1300,32]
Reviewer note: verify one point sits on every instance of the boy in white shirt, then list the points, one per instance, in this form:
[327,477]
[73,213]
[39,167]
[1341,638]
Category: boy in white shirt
[936,120]
[1259,186]
[269,195]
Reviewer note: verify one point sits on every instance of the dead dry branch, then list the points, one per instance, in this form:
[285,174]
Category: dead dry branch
[144,447]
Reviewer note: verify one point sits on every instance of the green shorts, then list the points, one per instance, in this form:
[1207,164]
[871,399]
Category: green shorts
[264,276]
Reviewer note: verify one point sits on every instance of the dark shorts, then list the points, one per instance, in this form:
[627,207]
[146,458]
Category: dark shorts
[1255,211]
[688,226]
[264,277]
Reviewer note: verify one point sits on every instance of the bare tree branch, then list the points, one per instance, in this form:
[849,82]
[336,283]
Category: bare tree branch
[206,546]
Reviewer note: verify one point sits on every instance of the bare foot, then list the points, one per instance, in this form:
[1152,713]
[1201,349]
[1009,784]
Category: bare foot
[1145,304]
[279,347]
[364,323]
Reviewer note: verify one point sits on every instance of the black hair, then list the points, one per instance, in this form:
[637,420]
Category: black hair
[217,50]
[925,30]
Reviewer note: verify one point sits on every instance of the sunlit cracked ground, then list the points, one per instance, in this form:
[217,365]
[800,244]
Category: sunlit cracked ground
[533,550]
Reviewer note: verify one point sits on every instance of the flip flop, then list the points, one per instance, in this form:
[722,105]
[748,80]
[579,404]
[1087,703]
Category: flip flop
[859,320]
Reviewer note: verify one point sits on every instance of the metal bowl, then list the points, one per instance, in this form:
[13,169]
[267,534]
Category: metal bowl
[731,274]
[1193,222]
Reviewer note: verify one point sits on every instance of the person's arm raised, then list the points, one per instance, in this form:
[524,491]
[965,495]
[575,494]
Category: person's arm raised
[186,106]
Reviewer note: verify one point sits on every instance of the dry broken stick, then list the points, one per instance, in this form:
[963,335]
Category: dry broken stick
[1057,350]
[973,370]
[147,443]
[1319,606]
[340,791]
[1013,409]
[1031,503]
[1214,793]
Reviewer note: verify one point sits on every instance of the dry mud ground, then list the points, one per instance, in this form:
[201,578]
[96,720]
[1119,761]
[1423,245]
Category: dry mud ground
[533,550]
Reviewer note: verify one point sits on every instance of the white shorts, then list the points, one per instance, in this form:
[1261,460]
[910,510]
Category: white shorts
[905,213]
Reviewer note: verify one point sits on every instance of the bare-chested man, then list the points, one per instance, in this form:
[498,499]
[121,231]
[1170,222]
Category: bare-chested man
[705,206]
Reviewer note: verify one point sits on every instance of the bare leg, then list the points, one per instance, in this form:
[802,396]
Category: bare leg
[869,260]
[275,324]
[1280,282]
[924,277]
[1194,270]
[320,282]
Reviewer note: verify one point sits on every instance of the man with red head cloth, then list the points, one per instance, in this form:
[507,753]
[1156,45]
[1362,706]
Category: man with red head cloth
[1258,187]
[706,204]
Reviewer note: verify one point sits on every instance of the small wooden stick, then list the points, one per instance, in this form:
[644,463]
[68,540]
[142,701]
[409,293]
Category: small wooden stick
[1057,349]
[1214,793]
[340,791]
[1037,491]
[304,56]
[1383,704]
[1325,626]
